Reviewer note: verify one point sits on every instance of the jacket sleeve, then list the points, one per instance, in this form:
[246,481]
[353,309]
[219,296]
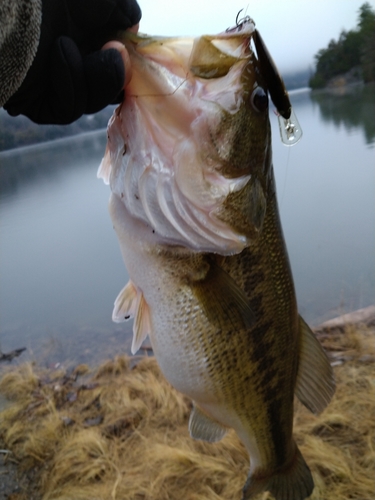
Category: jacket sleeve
[20,22]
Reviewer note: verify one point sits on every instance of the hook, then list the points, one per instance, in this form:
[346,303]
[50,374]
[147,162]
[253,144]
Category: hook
[240,22]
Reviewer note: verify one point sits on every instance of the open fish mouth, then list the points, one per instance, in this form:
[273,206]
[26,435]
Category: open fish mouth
[180,151]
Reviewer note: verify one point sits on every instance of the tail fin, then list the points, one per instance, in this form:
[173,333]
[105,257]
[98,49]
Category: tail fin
[293,482]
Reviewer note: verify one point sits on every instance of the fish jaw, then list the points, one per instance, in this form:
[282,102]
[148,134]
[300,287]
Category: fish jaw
[176,150]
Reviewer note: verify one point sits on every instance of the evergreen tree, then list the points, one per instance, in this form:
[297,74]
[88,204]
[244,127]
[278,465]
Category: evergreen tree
[366,23]
[353,48]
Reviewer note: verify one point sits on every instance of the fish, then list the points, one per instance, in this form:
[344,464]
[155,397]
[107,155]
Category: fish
[193,203]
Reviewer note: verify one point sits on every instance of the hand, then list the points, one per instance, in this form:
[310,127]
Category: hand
[70,74]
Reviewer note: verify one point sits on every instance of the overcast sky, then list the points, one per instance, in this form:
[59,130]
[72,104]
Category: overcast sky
[293,30]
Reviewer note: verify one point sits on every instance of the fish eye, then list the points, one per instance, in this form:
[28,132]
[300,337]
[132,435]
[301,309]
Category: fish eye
[259,99]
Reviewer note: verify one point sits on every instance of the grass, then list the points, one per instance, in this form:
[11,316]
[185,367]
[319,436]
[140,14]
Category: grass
[120,433]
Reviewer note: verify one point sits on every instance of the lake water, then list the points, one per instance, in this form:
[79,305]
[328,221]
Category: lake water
[60,264]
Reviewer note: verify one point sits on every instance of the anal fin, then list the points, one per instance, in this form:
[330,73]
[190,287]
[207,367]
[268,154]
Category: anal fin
[315,383]
[204,428]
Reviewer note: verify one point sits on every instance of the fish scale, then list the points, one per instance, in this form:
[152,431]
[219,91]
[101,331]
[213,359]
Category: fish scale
[194,207]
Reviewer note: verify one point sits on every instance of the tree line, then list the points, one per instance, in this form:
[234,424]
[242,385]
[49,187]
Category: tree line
[354,50]
[20,131]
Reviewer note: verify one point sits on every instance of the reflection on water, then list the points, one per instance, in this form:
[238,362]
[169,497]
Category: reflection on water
[353,107]
[32,164]
[60,265]
[327,204]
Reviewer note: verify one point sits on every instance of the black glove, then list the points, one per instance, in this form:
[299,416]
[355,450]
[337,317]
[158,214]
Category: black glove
[70,75]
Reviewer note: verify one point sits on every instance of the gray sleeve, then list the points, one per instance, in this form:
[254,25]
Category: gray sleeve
[20,22]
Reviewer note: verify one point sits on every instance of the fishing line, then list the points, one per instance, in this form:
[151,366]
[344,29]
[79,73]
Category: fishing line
[285,178]
[162,95]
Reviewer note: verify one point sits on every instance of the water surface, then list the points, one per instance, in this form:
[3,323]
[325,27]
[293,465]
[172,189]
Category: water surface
[60,264]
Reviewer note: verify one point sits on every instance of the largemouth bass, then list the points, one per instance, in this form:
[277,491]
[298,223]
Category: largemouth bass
[194,207]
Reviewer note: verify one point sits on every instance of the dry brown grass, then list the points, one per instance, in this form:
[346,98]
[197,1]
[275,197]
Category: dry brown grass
[121,433]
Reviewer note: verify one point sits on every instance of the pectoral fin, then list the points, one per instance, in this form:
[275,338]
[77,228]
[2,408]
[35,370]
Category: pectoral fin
[130,303]
[125,303]
[204,428]
[315,384]
[222,299]
[142,323]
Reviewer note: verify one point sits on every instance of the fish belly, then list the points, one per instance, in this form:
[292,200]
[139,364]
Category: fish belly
[180,345]
[174,311]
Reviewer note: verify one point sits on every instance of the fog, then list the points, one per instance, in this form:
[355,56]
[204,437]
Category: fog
[294,30]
